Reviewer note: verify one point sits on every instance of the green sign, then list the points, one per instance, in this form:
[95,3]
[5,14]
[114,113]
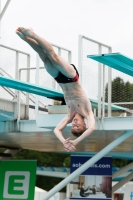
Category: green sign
[17,179]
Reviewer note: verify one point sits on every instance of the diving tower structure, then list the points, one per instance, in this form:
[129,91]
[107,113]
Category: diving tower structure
[43,123]
[49,121]
[114,122]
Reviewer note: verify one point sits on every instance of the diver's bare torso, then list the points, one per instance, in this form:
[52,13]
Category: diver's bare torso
[76,99]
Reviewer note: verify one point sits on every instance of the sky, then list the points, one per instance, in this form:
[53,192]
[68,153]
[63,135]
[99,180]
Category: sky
[61,21]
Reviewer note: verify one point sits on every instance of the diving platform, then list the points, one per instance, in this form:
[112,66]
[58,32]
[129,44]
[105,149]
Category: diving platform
[30,88]
[38,134]
[117,61]
[46,92]
[30,136]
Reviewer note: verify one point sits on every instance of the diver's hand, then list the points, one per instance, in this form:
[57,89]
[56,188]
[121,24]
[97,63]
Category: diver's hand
[73,142]
[69,146]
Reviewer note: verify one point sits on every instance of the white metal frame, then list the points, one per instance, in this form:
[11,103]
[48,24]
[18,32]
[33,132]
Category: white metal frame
[17,93]
[100,69]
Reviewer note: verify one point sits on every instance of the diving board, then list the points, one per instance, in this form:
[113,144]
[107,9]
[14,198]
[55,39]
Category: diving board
[44,91]
[31,88]
[116,61]
[94,104]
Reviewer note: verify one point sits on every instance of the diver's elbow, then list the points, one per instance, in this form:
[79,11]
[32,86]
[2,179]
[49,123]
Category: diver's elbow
[92,128]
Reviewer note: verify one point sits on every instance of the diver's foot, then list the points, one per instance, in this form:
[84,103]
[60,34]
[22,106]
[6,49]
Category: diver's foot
[27,31]
[20,34]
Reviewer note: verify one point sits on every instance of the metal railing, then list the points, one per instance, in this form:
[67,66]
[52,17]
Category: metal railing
[20,70]
[17,75]
[12,93]
[17,93]
[107,79]
[101,72]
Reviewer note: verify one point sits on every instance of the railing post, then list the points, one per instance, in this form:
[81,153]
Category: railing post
[80,50]
[99,82]
[37,82]
[17,92]
[19,103]
[109,87]
[70,57]
[28,80]
[16,65]
[103,97]
[59,53]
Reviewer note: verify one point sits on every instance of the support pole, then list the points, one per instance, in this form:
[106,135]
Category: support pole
[86,165]
[37,82]
[103,98]
[99,82]
[109,87]
[122,170]
[67,190]
[27,94]
[122,182]
[4,9]
[80,52]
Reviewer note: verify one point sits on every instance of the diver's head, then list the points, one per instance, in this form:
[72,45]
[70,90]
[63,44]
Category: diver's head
[78,125]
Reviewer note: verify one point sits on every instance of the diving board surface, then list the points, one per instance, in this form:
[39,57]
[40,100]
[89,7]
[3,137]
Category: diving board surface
[94,104]
[44,91]
[31,88]
[116,61]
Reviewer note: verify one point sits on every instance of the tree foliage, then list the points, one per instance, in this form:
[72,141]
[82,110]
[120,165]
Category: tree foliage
[121,92]
[120,162]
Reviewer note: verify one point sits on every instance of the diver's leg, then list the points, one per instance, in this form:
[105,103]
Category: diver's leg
[62,65]
[51,69]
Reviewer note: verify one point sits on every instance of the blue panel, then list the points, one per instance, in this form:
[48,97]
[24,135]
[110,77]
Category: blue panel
[116,61]
[95,169]
[6,116]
